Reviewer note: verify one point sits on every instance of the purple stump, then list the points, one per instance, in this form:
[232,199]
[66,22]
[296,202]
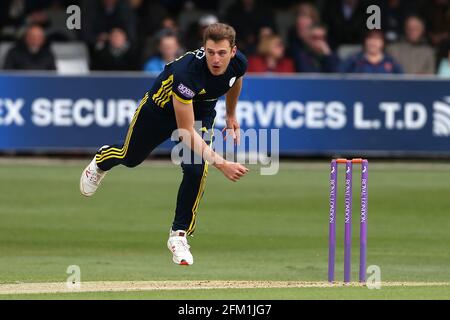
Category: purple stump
[363,226]
[348,221]
[332,229]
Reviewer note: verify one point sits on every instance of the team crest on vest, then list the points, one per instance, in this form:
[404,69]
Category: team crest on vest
[232,81]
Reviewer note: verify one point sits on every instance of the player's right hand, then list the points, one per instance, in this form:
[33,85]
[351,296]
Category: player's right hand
[232,170]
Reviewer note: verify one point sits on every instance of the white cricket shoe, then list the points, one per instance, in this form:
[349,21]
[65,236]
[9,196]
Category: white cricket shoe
[179,247]
[91,178]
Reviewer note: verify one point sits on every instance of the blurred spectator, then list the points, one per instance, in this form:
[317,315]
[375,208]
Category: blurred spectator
[444,66]
[116,54]
[12,16]
[54,18]
[437,15]
[316,56]
[307,15]
[373,58]
[168,48]
[346,20]
[151,43]
[143,10]
[271,57]
[170,23]
[393,19]
[194,35]
[248,17]
[31,53]
[413,53]
[15,14]
[394,14]
[263,33]
[189,16]
[101,16]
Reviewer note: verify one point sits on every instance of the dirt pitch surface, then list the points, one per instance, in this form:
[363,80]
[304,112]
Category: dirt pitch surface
[118,286]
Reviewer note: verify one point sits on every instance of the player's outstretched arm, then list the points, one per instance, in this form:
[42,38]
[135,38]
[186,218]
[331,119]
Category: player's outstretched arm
[184,114]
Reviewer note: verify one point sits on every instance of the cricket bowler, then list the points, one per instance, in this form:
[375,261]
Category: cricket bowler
[184,93]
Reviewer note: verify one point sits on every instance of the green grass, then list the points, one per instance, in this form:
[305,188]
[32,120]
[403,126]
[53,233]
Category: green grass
[262,228]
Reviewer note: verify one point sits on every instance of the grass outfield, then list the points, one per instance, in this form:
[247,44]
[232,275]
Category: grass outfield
[262,228]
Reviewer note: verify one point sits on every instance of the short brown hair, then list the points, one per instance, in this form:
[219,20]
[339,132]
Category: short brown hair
[218,32]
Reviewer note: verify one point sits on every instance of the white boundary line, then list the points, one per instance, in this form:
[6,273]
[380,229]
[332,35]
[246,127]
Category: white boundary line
[118,286]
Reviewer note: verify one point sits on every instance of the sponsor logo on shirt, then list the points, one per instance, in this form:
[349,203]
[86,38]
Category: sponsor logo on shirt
[185,91]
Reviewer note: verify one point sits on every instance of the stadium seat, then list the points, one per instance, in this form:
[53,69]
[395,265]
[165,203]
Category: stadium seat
[346,50]
[284,19]
[71,58]
[72,66]
[4,48]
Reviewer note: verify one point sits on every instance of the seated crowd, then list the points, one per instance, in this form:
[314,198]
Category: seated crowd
[320,37]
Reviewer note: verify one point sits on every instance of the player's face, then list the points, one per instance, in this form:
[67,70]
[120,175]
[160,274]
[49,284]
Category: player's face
[218,56]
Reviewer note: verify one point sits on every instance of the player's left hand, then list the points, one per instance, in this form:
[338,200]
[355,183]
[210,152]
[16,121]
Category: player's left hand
[233,129]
